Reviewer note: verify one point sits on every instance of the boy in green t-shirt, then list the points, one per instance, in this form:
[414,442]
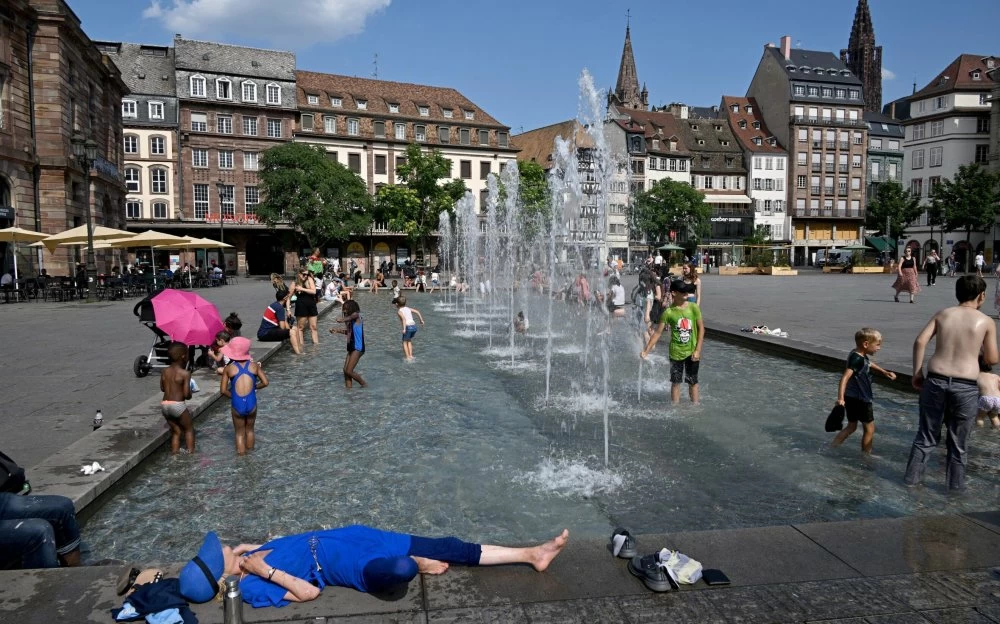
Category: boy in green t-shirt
[683,318]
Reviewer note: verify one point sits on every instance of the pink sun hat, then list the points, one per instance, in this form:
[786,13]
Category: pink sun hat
[238,349]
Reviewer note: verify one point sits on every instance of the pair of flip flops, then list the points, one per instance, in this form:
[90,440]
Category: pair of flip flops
[648,568]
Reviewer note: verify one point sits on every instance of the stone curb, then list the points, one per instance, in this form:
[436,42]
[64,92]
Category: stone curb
[125,441]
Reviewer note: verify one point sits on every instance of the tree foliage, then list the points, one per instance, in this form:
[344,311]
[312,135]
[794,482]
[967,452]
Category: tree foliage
[967,202]
[323,199]
[536,205]
[671,205]
[892,202]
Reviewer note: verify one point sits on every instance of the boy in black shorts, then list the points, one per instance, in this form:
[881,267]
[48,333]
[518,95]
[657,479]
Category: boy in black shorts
[855,389]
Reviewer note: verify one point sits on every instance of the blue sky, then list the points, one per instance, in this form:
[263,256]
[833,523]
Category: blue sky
[520,60]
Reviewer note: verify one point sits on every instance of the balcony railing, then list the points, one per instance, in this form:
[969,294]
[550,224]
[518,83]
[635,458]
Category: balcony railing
[828,190]
[830,167]
[827,121]
[844,168]
[817,167]
[814,189]
[829,213]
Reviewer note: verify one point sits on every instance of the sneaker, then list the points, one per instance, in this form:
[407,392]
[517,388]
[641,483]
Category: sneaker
[623,544]
[652,574]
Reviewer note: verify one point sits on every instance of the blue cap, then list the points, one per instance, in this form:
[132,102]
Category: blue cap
[199,579]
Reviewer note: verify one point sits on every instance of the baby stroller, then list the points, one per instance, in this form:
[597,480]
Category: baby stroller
[157,356]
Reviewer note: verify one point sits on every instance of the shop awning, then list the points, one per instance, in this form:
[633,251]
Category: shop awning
[727,199]
[879,243]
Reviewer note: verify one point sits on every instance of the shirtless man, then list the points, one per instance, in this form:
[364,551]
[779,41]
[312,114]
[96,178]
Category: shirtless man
[949,393]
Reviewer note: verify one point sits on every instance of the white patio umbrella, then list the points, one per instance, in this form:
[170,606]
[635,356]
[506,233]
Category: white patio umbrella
[198,243]
[151,239]
[78,235]
[17,235]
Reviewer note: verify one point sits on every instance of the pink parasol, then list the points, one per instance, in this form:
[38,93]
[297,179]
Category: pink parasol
[186,317]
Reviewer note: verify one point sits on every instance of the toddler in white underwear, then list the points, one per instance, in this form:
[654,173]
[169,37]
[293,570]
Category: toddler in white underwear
[989,396]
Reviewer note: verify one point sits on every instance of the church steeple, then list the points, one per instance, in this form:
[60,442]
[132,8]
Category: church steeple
[627,93]
[864,58]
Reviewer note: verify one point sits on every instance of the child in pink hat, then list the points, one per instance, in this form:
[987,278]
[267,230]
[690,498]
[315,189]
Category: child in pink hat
[241,379]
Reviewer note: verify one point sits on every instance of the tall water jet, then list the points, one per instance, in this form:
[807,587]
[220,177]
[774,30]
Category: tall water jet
[444,249]
[511,181]
[469,226]
[492,244]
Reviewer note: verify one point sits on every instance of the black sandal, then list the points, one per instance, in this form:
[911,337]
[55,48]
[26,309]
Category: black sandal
[126,580]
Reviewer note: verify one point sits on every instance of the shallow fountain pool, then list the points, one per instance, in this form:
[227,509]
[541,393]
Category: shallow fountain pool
[462,441]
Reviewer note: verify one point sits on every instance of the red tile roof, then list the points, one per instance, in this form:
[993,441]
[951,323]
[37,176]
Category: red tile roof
[746,135]
[656,125]
[958,76]
[537,145]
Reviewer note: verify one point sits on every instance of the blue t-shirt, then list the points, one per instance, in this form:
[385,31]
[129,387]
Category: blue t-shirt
[341,553]
[274,314]
[859,386]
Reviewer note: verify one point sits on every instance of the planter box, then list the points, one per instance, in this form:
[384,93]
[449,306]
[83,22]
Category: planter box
[868,269]
[832,269]
[778,270]
[729,270]
[749,270]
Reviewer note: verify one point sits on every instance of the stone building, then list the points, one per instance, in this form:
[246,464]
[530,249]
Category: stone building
[864,58]
[366,125]
[626,93]
[813,104]
[885,160]
[54,85]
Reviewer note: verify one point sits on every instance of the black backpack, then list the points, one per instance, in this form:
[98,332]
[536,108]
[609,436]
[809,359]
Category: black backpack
[12,477]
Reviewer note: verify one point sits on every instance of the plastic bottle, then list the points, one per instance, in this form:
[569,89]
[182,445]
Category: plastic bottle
[98,420]
[232,603]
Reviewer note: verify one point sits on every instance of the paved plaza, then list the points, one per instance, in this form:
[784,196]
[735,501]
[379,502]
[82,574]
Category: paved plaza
[894,570]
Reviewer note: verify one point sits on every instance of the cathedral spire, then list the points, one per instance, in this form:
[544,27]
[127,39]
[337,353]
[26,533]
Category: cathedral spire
[864,58]
[627,92]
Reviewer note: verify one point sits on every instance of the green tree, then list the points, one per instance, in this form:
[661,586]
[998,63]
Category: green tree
[671,205]
[536,206]
[893,203]
[303,187]
[967,202]
[414,207]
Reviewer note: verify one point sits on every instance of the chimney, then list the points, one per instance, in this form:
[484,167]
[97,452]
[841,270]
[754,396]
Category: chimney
[786,47]
[892,110]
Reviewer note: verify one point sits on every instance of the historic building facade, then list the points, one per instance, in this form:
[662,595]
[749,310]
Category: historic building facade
[949,125]
[627,93]
[813,104]
[864,58]
[366,125]
[885,160]
[55,85]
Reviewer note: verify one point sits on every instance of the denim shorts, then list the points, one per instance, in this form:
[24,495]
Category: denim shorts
[411,331]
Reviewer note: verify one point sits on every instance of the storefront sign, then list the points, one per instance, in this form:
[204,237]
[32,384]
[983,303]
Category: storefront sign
[6,212]
[728,219]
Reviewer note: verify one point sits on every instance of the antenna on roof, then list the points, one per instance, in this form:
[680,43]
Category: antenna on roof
[375,63]
[628,18]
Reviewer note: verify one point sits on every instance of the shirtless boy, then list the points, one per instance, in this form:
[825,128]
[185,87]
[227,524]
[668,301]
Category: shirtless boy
[175,382]
[949,392]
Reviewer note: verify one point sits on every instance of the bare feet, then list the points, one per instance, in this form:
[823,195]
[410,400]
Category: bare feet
[430,566]
[544,553]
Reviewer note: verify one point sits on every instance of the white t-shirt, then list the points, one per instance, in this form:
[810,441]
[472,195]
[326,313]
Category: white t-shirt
[980,260]
[658,260]
[407,316]
[6,280]
[435,278]
[618,295]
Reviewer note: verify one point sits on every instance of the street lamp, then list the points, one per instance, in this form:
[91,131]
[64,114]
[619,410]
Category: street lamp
[85,152]
[219,184]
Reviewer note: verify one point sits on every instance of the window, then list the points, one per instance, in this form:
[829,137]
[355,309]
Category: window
[157,145]
[380,164]
[984,98]
[941,101]
[200,201]
[484,137]
[159,210]
[779,164]
[502,139]
[876,144]
[424,111]
[197,86]
[274,128]
[307,122]
[131,144]
[983,125]
[918,159]
[332,156]
[757,184]
[485,168]
[251,197]
[420,133]
[855,184]
[982,154]
[156,110]
[312,99]
[400,161]
[918,131]
[227,199]
[800,181]
[354,127]
[249,91]
[743,123]
[708,182]
[769,184]
[893,171]
[225,159]
[250,126]
[841,93]
[361,104]
[223,89]
[354,162]
[336,102]
[465,169]
[133,183]
[799,90]
[330,124]
[936,156]
[224,124]
[852,115]
[827,92]
[814,91]
[273,94]
[855,94]
[856,161]
[894,145]
[859,138]
[937,128]
[158,180]
[250,161]
[803,135]
[447,112]
[470,115]
[917,187]
[931,183]
[465,136]
[400,131]
[779,184]
[393,108]
[758,162]
[129,109]
[768,163]
[133,209]
[444,134]
[199,158]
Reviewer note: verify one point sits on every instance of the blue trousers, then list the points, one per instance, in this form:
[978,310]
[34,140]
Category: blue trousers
[35,530]
[950,403]
[387,572]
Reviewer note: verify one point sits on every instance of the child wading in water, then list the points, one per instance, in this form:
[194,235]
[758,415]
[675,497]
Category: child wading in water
[355,332]
[989,395]
[687,335]
[241,380]
[175,382]
[855,389]
[405,315]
